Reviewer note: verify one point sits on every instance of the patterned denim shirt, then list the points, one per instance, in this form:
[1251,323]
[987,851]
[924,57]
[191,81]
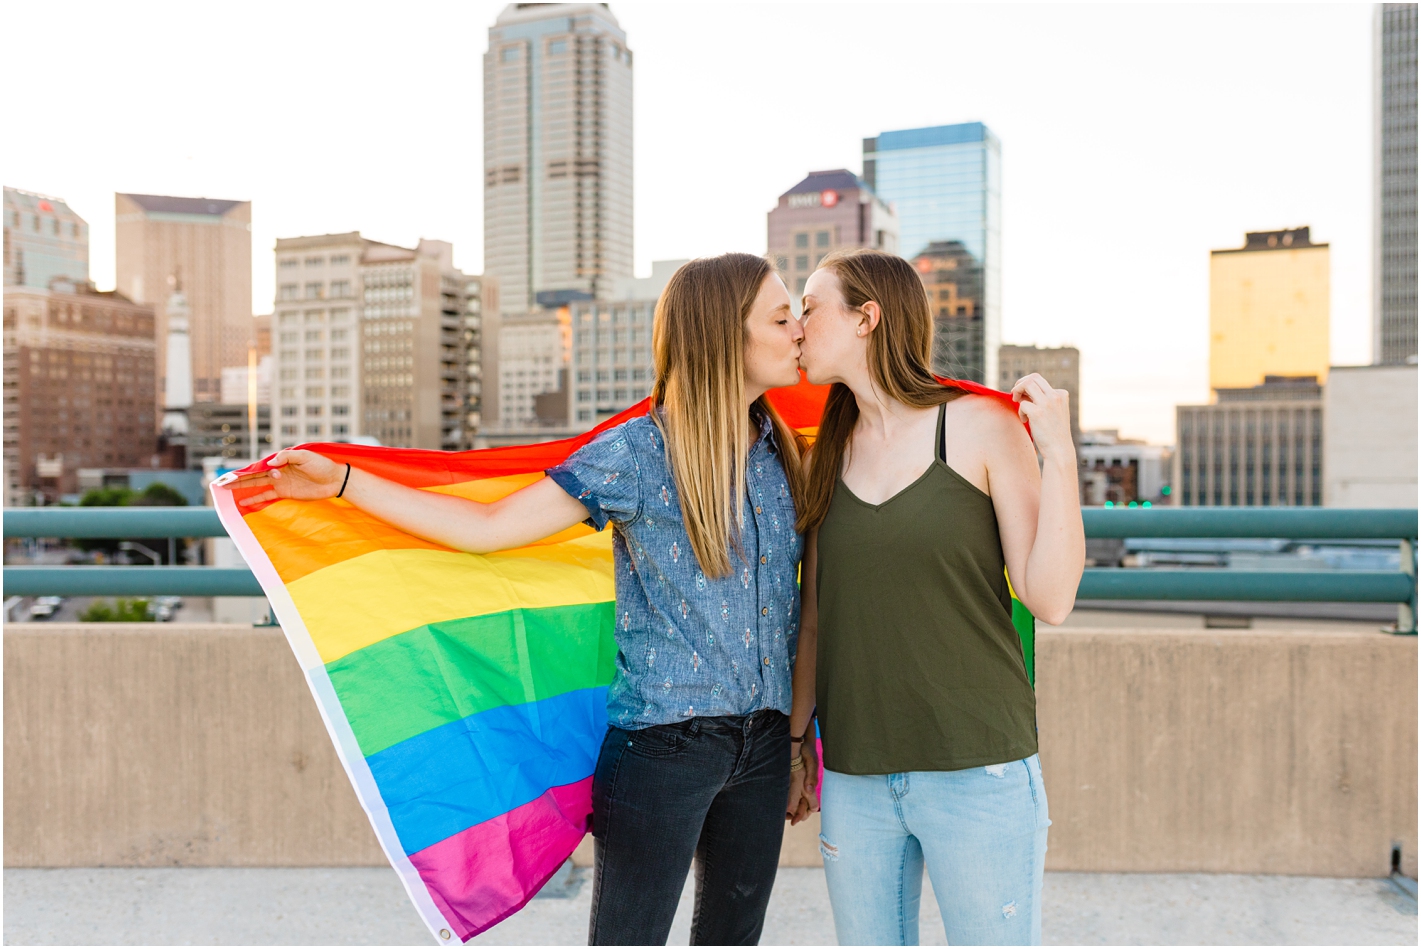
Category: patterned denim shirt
[687,644]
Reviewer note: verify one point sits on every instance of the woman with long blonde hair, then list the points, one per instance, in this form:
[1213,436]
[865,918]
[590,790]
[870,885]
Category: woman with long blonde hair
[695,765]
[920,500]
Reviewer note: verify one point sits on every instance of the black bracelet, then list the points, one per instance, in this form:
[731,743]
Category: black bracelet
[345,480]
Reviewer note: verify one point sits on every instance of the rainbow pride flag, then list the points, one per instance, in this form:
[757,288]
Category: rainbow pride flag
[465,693]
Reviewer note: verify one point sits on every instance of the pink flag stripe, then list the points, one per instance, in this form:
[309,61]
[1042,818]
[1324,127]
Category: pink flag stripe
[481,876]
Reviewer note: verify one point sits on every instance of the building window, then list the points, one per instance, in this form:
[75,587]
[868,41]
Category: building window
[584,375]
[799,285]
[289,318]
[557,47]
[288,429]
[288,392]
[584,415]
[801,240]
[313,291]
[313,336]
[288,375]
[315,392]
[313,410]
[340,428]
[289,355]
[340,352]
[288,410]
[340,288]
[289,263]
[340,410]
[340,260]
[315,261]
[290,338]
[313,428]
[339,336]
[340,372]
[315,372]
[584,395]
[290,291]
[340,392]
[821,239]
[340,315]
[315,355]
[801,262]
[313,316]
[509,54]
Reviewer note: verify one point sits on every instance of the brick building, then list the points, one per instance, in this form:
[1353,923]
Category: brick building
[79,387]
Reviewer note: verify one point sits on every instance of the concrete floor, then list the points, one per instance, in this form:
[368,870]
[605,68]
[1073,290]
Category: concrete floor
[363,906]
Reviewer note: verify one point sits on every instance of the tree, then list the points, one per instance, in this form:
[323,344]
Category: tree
[156,494]
[123,611]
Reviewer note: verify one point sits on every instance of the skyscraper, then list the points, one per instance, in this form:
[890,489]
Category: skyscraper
[827,211]
[204,247]
[1394,309]
[1269,306]
[945,185]
[44,239]
[557,151]
[370,339]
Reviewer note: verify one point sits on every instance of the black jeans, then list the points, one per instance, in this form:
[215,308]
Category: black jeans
[709,788]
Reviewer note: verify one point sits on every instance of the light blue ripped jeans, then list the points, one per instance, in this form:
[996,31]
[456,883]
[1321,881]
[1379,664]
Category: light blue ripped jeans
[980,832]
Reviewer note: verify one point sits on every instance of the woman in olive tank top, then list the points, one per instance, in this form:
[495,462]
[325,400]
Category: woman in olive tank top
[922,500]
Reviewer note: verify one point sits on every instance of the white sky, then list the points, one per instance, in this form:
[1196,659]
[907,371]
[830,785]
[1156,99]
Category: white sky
[1134,139]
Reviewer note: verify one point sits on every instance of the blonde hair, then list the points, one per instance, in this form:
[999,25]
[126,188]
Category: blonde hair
[899,360]
[699,346]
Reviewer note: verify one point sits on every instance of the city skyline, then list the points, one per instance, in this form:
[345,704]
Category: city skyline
[1180,177]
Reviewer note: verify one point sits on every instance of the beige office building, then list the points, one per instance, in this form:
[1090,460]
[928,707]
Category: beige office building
[1369,436]
[557,152]
[205,244]
[533,353]
[79,383]
[1259,446]
[827,211]
[1269,306]
[369,342]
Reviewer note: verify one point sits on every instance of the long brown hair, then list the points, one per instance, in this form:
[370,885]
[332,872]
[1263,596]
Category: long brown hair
[699,343]
[899,361]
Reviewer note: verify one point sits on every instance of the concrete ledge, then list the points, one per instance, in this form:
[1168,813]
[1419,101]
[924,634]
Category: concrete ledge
[1163,751]
[1228,751]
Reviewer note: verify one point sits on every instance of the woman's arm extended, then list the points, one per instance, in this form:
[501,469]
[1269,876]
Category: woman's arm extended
[803,791]
[1038,509]
[530,514]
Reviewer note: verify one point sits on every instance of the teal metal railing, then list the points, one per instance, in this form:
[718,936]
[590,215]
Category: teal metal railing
[1318,524]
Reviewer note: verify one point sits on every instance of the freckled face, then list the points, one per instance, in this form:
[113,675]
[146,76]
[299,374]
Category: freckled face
[832,347]
[772,337]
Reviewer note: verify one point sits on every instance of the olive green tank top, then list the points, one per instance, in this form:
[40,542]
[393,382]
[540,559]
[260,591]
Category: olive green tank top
[919,665]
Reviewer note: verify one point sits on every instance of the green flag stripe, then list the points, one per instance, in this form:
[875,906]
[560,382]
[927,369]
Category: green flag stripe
[439,673]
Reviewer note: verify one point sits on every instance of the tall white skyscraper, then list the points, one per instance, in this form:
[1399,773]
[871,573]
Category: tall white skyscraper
[557,152]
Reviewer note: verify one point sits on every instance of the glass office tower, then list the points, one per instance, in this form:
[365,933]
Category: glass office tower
[945,183]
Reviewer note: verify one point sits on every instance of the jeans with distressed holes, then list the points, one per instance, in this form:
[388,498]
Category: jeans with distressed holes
[980,833]
[712,788]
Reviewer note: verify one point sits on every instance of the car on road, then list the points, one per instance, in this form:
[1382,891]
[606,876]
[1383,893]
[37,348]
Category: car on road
[45,607]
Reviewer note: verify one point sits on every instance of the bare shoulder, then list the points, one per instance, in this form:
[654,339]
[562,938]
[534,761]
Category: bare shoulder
[983,412]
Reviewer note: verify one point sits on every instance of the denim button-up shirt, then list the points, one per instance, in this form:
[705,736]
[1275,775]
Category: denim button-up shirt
[687,644]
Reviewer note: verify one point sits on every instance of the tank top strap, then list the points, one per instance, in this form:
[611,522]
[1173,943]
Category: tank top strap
[939,452]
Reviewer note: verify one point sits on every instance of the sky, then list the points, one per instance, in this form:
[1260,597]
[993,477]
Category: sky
[1135,139]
